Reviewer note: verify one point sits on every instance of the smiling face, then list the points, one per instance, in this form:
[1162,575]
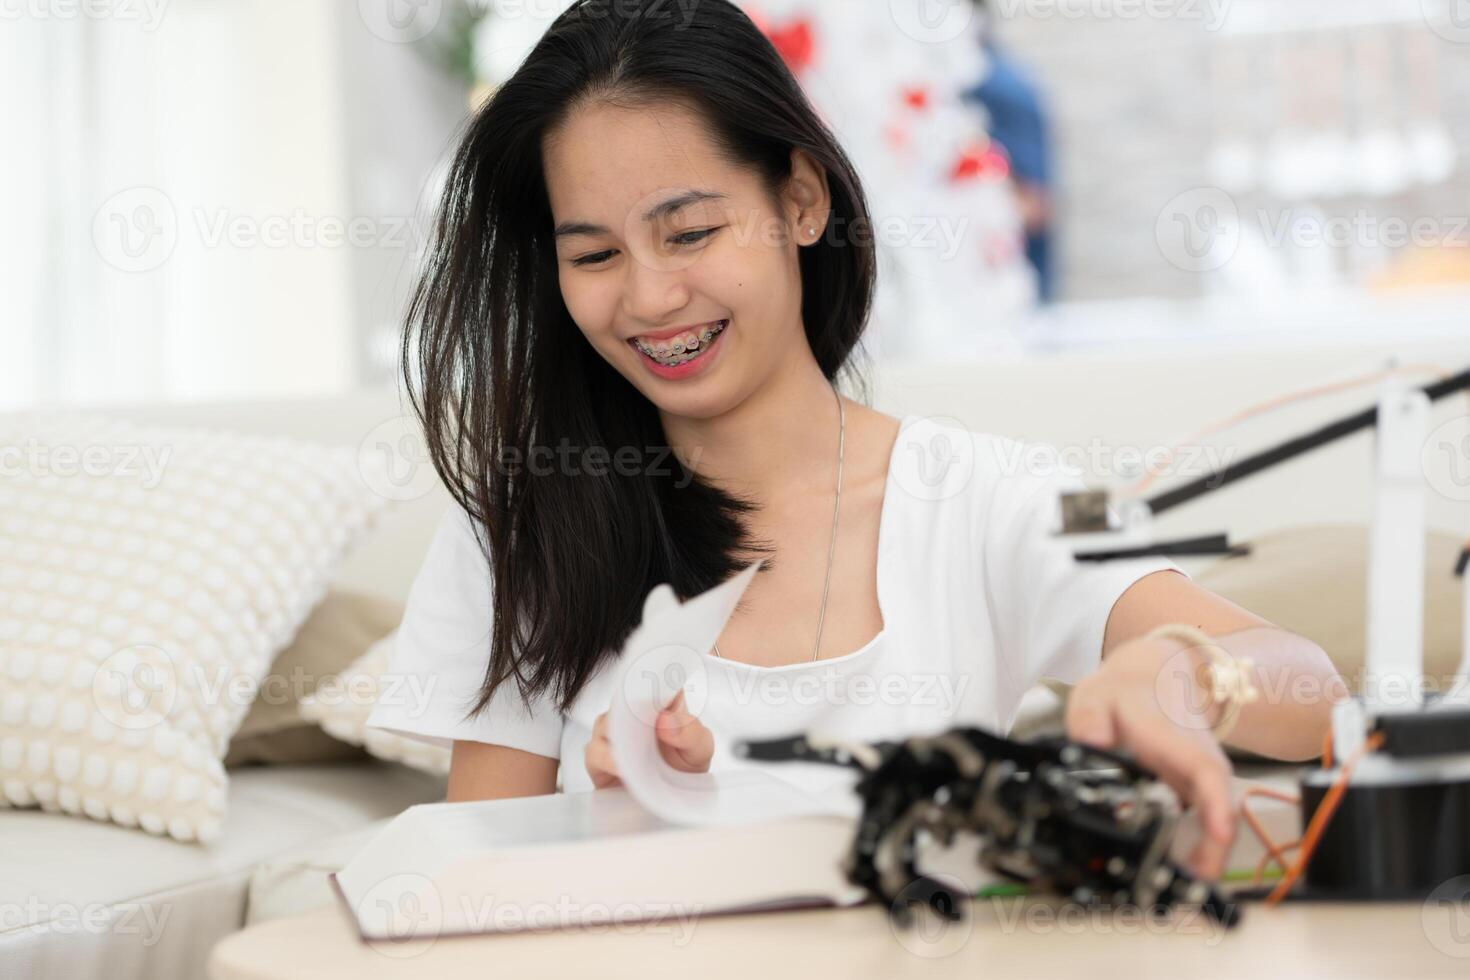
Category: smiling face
[676,266]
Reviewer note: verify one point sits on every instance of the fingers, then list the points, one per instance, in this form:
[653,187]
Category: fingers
[1211,794]
[683,740]
[1090,720]
[1201,775]
[1208,858]
[1189,762]
[1193,765]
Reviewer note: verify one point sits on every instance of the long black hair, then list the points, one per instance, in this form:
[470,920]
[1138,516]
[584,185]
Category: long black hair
[504,369]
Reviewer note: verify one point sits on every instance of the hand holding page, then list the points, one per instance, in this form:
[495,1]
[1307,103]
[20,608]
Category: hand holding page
[667,653]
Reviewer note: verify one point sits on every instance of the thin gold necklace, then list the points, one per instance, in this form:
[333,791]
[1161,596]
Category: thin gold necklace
[832,546]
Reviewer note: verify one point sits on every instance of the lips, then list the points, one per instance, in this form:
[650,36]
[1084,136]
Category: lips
[676,331]
[671,363]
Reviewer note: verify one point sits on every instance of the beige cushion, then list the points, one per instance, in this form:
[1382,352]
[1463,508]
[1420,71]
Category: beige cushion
[1313,581]
[338,631]
[342,704]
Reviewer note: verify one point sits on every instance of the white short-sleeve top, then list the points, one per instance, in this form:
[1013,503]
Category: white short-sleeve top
[979,602]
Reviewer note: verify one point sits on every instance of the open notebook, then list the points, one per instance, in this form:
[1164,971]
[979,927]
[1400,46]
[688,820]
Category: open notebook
[602,858]
[596,858]
[665,846]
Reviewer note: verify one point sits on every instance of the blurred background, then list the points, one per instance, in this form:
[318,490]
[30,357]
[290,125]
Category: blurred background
[224,199]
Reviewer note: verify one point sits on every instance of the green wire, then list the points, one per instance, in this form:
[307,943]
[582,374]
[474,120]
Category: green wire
[1250,875]
[1005,890]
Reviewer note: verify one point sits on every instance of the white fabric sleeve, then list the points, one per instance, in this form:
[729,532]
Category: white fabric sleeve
[1050,611]
[441,652]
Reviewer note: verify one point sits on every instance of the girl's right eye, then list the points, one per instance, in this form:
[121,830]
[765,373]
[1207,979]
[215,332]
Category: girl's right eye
[686,238]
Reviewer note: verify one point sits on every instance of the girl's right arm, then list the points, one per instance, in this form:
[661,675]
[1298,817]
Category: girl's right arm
[479,771]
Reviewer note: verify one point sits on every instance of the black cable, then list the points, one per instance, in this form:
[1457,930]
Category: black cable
[1214,544]
[1293,447]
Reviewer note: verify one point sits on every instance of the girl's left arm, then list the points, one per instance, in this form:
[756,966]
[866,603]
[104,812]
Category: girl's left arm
[1149,697]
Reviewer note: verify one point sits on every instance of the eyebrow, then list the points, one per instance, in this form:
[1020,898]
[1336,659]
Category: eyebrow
[569,228]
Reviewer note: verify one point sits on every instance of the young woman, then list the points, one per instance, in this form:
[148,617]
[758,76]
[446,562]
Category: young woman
[650,242]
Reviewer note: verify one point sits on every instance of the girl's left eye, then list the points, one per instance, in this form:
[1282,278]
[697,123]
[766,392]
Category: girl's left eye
[684,238]
[691,237]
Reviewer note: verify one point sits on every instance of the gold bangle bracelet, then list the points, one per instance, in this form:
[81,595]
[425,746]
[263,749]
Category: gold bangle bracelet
[1231,685]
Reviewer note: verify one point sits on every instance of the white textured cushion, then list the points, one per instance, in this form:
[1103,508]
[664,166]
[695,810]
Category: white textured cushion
[341,705]
[149,578]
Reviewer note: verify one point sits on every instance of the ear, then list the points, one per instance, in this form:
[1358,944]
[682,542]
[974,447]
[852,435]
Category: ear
[807,200]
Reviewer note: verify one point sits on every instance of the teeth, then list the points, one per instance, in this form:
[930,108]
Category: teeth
[681,348]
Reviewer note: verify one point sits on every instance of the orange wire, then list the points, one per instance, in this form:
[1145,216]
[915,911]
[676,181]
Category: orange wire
[1273,852]
[1137,488]
[1324,813]
[1327,750]
[1261,864]
[1274,794]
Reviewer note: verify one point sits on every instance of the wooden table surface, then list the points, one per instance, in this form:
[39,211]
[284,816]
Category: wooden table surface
[1001,938]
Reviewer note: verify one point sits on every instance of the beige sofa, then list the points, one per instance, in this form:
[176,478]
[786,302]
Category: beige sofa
[158,906]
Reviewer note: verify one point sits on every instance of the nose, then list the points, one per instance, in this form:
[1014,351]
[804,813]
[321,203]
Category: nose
[653,289]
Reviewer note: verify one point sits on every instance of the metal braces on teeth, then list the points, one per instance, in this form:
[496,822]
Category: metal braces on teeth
[678,349]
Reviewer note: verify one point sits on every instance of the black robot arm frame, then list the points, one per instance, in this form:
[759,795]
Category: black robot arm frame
[1060,816]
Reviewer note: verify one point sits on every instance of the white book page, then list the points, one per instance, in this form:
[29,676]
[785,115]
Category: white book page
[662,655]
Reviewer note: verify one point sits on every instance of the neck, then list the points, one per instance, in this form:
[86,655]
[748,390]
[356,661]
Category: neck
[781,439]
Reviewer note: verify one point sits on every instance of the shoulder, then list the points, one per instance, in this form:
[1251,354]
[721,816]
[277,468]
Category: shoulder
[455,568]
[456,533]
[940,452]
[947,471]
